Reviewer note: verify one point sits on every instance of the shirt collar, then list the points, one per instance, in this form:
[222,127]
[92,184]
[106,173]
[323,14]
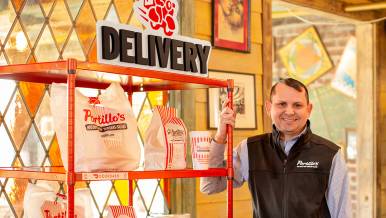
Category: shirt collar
[286,146]
[295,138]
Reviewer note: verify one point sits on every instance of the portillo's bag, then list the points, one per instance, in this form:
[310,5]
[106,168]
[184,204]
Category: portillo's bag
[105,129]
[40,201]
[165,141]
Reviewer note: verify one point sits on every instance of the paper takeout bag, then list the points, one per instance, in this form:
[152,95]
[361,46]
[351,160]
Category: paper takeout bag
[105,129]
[165,140]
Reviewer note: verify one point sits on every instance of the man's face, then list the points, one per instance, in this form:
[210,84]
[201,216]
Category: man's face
[289,110]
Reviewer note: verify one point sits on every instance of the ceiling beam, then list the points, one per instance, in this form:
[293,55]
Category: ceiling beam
[333,7]
[283,14]
[366,7]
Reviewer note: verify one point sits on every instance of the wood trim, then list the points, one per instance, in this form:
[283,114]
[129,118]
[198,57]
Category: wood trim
[335,8]
[365,6]
[267,59]
[366,120]
[380,117]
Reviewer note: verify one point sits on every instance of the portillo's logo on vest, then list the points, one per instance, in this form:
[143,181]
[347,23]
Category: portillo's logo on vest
[307,164]
[158,47]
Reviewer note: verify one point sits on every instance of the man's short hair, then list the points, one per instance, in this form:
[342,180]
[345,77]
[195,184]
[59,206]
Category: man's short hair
[297,85]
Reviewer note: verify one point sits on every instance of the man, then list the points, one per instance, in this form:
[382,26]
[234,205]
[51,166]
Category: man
[291,172]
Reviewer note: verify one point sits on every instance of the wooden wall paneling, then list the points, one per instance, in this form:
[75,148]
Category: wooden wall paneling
[267,62]
[256,36]
[237,61]
[203,17]
[256,6]
[380,119]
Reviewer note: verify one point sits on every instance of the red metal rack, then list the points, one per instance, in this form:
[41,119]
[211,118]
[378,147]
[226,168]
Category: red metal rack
[95,75]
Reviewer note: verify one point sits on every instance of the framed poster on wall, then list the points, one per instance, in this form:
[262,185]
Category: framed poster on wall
[231,24]
[244,103]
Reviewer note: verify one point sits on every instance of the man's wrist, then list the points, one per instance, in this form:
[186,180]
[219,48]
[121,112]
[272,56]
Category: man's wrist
[219,141]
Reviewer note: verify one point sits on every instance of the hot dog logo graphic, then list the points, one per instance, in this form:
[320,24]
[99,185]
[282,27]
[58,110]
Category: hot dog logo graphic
[158,15]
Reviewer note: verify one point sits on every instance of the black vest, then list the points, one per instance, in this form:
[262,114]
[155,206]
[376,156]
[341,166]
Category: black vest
[293,186]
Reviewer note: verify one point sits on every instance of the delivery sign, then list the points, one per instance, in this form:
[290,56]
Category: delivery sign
[158,47]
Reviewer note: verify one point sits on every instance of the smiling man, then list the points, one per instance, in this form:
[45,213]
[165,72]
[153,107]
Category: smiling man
[291,172]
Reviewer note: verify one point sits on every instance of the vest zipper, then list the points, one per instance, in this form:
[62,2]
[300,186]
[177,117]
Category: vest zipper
[284,211]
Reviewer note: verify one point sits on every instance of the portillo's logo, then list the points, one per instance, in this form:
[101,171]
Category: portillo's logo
[158,47]
[110,119]
[105,118]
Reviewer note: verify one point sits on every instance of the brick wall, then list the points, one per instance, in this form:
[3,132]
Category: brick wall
[334,38]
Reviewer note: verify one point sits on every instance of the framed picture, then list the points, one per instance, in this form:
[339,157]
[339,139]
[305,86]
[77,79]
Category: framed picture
[345,74]
[305,57]
[351,144]
[243,100]
[231,24]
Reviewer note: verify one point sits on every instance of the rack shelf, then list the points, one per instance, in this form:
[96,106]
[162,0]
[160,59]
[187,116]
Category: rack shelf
[59,174]
[94,75]
[39,173]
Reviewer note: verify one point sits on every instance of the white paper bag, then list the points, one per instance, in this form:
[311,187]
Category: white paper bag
[51,209]
[34,198]
[165,141]
[41,201]
[54,209]
[105,129]
[83,203]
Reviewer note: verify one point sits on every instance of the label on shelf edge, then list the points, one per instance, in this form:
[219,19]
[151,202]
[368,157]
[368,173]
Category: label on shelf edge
[105,176]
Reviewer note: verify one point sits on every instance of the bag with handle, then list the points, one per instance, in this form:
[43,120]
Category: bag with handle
[105,129]
[51,209]
[41,201]
[34,197]
[165,140]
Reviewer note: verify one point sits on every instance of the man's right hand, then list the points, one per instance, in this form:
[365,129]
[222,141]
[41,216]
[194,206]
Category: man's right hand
[227,116]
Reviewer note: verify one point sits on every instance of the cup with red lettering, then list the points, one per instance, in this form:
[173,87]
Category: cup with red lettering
[200,143]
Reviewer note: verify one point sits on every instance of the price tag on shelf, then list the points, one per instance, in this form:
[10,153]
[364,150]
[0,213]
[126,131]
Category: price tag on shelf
[105,176]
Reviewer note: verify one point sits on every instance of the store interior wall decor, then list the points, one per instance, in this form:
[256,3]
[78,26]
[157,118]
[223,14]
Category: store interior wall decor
[345,74]
[244,102]
[305,57]
[231,24]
